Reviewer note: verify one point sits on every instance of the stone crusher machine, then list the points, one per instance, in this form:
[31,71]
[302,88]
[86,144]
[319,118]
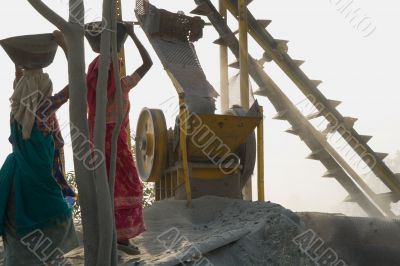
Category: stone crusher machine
[205,154]
[182,167]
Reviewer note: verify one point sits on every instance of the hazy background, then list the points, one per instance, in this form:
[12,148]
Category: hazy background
[361,72]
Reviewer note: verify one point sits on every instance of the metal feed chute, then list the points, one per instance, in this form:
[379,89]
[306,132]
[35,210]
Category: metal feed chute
[172,36]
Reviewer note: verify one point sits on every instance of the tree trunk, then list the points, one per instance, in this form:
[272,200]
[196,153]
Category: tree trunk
[106,214]
[95,193]
[119,115]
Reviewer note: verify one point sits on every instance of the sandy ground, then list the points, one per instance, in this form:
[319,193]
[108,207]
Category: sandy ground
[216,231]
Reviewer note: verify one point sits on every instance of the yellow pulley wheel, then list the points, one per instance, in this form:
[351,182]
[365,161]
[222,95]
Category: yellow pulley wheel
[151,145]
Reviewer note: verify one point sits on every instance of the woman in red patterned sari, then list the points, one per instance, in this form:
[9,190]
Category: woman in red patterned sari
[128,195]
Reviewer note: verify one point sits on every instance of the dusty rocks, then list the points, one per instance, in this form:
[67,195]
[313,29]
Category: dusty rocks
[216,231]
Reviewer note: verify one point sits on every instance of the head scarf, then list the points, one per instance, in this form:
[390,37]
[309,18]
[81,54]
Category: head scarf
[29,92]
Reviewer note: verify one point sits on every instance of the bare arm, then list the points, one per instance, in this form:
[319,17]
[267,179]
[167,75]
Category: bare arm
[147,62]
[59,37]
[63,95]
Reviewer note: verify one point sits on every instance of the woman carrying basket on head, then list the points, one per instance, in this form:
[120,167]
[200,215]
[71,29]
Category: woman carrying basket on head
[128,195]
[35,219]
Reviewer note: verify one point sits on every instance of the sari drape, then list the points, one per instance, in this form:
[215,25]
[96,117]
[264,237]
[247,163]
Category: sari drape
[128,195]
[39,202]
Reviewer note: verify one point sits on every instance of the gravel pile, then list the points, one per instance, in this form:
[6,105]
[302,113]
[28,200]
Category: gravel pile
[215,231]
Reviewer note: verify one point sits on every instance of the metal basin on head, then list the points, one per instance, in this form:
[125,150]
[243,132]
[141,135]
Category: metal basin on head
[31,51]
[93,32]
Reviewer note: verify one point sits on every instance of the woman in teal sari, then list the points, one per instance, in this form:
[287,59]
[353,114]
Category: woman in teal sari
[35,219]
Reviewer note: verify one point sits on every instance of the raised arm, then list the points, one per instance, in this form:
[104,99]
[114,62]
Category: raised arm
[59,37]
[139,73]
[147,62]
[63,96]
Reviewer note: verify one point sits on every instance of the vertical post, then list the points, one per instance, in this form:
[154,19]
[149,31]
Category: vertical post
[260,157]
[244,55]
[183,116]
[162,187]
[157,190]
[244,73]
[121,56]
[122,52]
[224,76]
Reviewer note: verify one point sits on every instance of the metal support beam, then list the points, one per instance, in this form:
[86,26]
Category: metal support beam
[244,55]
[183,116]
[244,74]
[122,70]
[308,88]
[122,52]
[260,158]
[300,125]
[224,75]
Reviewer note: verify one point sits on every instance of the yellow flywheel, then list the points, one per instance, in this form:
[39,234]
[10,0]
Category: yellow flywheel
[151,145]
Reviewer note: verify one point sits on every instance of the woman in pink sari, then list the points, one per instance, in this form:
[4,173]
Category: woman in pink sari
[128,195]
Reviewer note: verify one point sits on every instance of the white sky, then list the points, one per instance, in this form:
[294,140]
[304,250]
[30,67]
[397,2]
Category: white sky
[359,71]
